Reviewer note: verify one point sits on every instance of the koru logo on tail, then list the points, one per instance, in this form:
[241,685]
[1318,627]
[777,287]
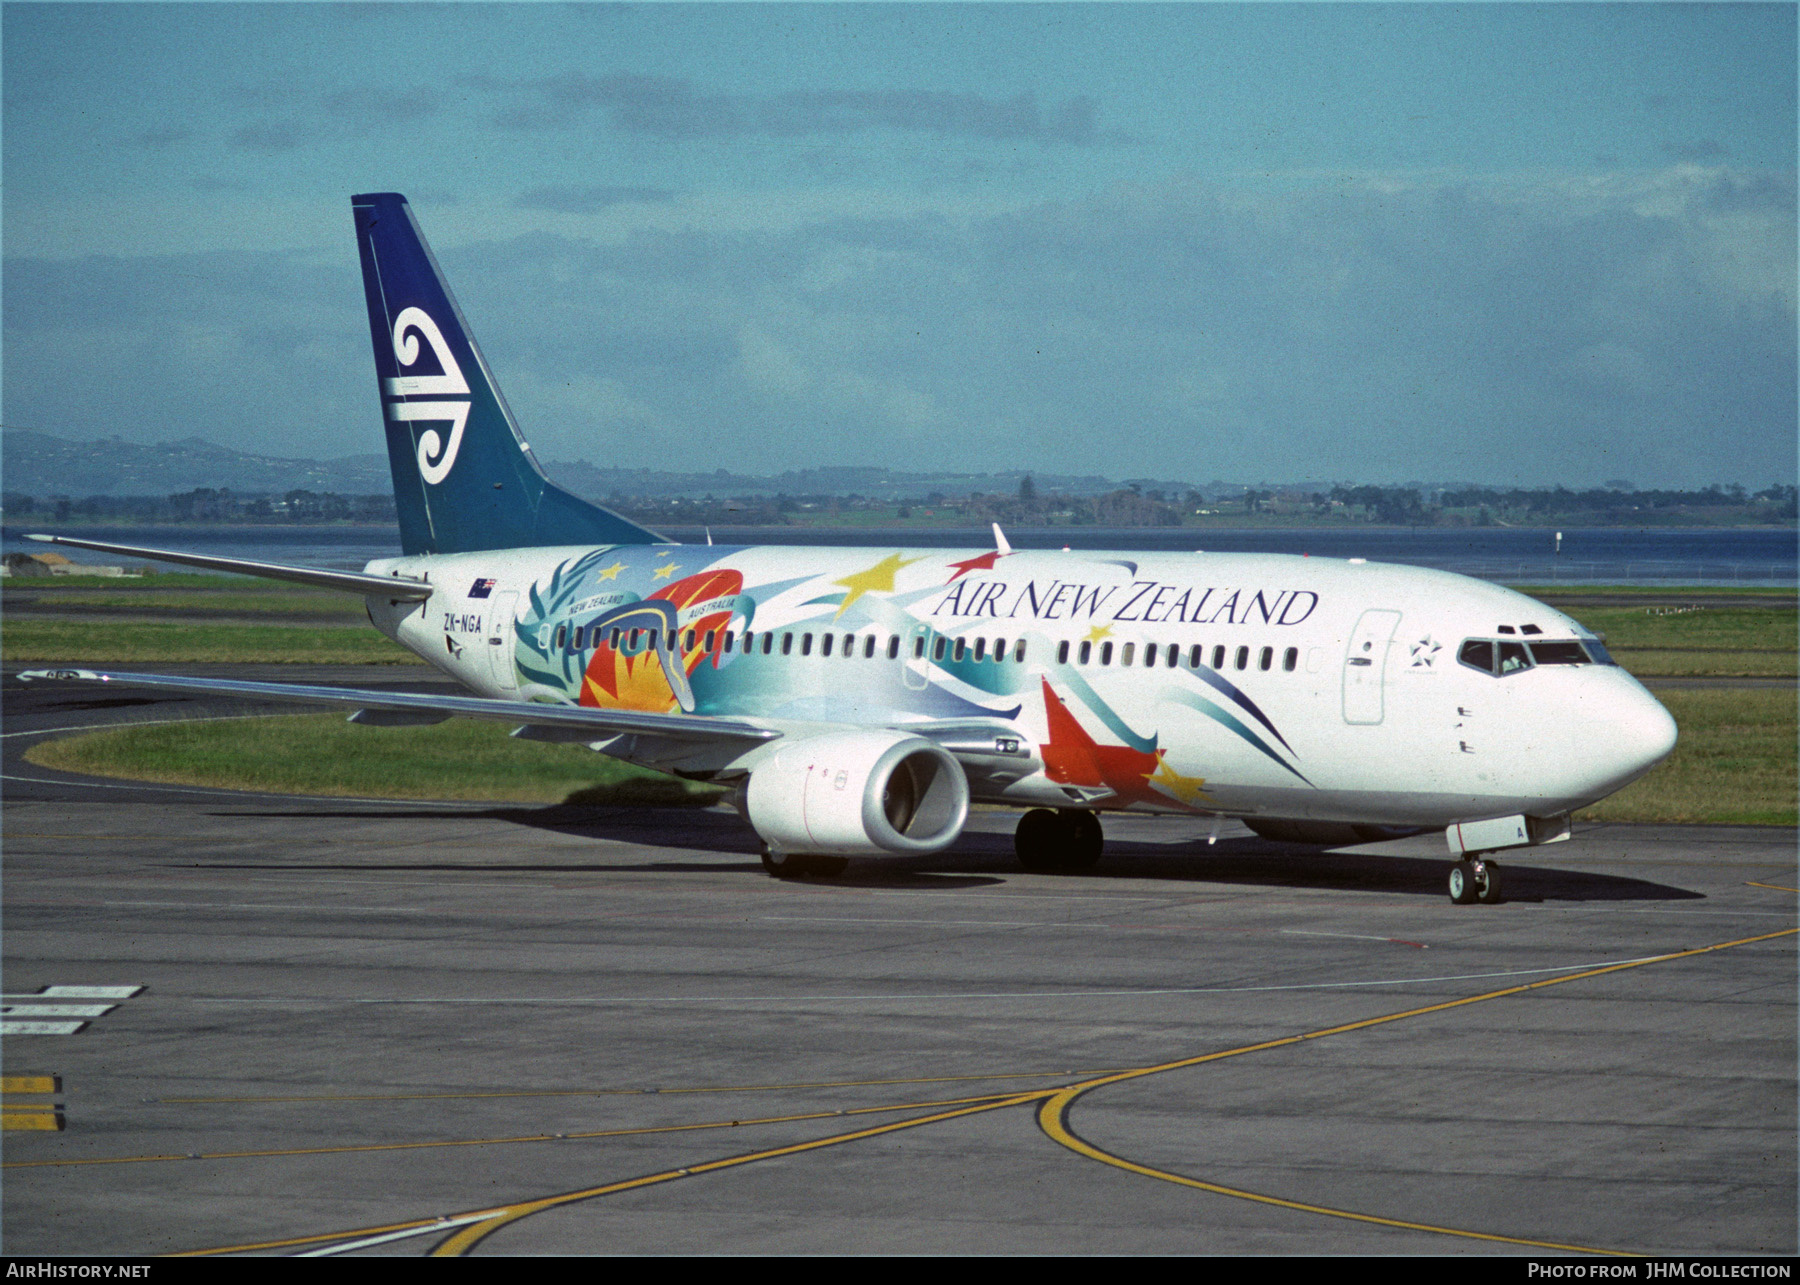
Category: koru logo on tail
[435,455]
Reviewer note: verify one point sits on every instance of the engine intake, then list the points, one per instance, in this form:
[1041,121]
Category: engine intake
[858,794]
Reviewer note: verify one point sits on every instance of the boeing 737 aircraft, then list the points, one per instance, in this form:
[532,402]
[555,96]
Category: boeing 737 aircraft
[860,699]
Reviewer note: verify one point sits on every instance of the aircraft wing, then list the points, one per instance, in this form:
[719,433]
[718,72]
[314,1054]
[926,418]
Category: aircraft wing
[398,708]
[399,588]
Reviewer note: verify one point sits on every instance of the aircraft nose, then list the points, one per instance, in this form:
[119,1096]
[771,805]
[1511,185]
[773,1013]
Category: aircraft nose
[1636,732]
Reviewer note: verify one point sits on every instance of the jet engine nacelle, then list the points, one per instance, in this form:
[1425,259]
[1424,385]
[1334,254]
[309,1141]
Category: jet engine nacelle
[873,793]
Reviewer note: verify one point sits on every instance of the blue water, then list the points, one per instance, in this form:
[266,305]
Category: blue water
[1692,556]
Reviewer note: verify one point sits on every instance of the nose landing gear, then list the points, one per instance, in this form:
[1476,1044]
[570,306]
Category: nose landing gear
[1063,842]
[1475,878]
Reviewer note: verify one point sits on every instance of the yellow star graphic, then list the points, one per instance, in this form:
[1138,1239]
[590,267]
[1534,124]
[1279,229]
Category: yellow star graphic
[1185,788]
[1098,632]
[663,573]
[877,579]
[612,572]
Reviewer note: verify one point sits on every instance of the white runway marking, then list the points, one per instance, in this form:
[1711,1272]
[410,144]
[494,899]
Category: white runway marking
[444,1225]
[27,1018]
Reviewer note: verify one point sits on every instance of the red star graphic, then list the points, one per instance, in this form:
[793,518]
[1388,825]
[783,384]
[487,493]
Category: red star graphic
[984,563]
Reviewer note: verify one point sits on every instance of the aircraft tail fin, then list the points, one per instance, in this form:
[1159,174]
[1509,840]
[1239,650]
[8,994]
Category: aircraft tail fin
[464,477]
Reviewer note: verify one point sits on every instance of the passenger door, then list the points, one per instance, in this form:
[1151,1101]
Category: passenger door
[500,641]
[1365,663]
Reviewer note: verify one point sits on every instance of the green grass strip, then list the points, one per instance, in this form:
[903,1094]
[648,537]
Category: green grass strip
[106,642]
[1735,764]
[323,754]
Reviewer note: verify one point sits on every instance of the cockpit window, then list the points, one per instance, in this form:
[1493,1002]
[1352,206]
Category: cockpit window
[1513,658]
[1597,650]
[1558,653]
[1477,653]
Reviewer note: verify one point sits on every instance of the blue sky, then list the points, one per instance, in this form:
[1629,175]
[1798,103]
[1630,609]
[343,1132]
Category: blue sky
[1501,243]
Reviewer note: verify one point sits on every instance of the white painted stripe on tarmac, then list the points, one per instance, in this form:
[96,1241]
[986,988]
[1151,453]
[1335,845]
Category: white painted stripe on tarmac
[77,992]
[40,1028]
[56,1010]
[446,1225]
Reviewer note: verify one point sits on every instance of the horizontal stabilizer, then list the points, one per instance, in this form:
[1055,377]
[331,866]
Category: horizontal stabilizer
[601,723]
[399,588]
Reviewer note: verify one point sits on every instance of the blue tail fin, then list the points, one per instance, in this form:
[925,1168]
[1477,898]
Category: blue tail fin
[464,479]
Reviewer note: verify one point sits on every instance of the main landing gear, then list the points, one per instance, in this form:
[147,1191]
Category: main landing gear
[1475,878]
[1063,842]
[797,865]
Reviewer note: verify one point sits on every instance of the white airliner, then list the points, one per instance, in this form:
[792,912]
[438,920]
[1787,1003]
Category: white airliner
[860,699]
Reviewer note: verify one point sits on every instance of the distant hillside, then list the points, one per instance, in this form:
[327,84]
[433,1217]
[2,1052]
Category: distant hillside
[43,465]
[39,464]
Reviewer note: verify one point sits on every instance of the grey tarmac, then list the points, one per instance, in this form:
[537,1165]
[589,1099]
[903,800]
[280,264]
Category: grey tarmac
[384,1028]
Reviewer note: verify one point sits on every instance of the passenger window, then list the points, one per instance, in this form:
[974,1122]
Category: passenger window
[631,640]
[712,636]
[1218,658]
[981,649]
[918,648]
[962,649]
[1266,659]
[1174,657]
[1243,658]
[1290,658]
[650,645]
[1558,653]
[825,645]
[787,644]
[768,643]
[728,642]
[869,647]
[1513,659]
[894,647]
[562,637]
[938,648]
[612,639]
[1019,652]
[1195,656]
[806,644]
[1149,655]
[999,650]
[1106,653]
[1062,652]
[689,644]
[1087,650]
[1125,653]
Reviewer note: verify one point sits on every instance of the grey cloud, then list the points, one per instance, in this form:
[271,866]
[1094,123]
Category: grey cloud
[268,136]
[166,137]
[662,107]
[369,106]
[588,200]
[1379,333]
[1700,149]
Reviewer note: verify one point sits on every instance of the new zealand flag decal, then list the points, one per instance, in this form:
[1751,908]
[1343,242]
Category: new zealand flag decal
[481,589]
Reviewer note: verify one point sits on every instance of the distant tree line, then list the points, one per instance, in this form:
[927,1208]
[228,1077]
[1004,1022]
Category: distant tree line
[206,504]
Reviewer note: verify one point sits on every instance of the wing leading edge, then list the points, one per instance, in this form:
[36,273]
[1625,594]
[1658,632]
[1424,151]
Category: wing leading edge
[415,707]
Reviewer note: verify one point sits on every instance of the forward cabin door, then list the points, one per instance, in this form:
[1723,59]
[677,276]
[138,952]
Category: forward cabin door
[500,641]
[1365,663]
